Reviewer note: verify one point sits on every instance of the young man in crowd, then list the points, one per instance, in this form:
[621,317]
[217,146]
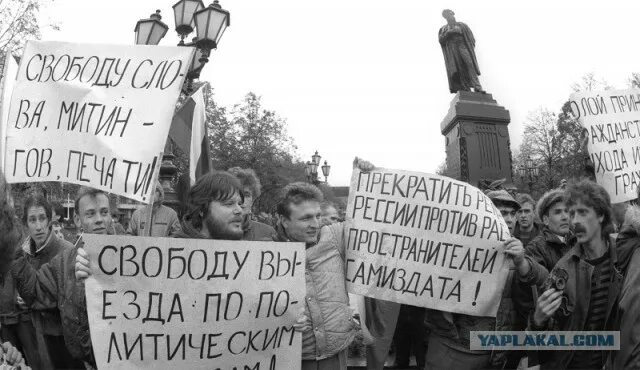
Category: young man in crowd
[593,280]
[627,317]
[555,239]
[449,339]
[329,213]
[253,230]
[54,285]
[327,325]
[15,317]
[10,235]
[527,228]
[164,220]
[40,248]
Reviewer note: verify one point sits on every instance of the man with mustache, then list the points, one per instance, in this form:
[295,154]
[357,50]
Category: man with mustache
[213,209]
[53,285]
[593,280]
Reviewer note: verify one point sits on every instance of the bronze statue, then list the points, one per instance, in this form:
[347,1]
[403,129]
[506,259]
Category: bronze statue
[458,46]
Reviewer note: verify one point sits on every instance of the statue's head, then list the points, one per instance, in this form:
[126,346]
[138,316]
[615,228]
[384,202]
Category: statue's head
[448,14]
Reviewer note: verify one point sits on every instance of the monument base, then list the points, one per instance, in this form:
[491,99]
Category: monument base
[477,138]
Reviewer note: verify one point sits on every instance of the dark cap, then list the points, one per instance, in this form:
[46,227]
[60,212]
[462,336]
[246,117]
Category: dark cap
[502,196]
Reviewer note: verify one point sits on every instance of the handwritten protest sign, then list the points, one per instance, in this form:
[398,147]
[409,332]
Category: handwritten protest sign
[160,303]
[425,240]
[95,115]
[612,120]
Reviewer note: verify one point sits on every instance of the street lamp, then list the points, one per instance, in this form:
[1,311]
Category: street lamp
[209,23]
[183,12]
[529,171]
[311,169]
[325,171]
[151,30]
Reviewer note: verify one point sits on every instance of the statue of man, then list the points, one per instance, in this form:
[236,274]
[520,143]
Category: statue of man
[458,45]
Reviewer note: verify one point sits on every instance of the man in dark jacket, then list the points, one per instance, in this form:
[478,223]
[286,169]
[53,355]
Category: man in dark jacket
[40,248]
[54,286]
[593,280]
[253,230]
[15,317]
[449,340]
[627,318]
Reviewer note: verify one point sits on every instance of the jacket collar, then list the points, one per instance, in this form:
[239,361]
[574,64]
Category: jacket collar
[26,246]
[281,235]
[553,238]
[577,251]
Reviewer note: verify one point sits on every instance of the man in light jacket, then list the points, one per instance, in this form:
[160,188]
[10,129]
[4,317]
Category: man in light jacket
[164,220]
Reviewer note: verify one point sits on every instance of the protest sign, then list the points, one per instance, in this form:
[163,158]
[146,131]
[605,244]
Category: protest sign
[161,303]
[7,81]
[425,240]
[612,120]
[95,115]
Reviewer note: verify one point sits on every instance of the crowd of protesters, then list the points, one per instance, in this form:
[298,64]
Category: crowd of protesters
[572,232]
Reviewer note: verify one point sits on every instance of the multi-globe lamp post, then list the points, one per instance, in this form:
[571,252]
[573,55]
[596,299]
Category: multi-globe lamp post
[311,169]
[209,24]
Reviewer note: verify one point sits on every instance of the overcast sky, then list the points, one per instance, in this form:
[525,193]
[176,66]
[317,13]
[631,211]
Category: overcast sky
[367,78]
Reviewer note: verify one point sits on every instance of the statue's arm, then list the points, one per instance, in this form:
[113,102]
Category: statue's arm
[442,35]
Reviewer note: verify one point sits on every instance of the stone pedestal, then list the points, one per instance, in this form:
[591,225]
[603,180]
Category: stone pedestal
[477,138]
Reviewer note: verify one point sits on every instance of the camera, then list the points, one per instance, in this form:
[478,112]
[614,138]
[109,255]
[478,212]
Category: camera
[557,280]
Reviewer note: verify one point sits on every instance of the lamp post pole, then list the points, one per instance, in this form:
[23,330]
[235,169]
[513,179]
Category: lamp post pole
[209,23]
[528,171]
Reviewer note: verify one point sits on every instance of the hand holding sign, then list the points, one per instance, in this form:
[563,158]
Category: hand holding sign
[513,248]
[11,354]
[302,323]
[83,266]
[425,240]
[363,165]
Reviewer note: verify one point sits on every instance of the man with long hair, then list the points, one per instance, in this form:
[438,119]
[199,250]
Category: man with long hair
[593,280]
[53,285]
[10,236]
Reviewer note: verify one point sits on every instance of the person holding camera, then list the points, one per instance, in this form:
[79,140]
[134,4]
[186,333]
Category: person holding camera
[582,290]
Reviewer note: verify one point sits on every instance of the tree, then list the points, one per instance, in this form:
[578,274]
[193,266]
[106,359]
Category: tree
[19,23]
[557,143]
[543,143]
[590,82]
[253,137]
